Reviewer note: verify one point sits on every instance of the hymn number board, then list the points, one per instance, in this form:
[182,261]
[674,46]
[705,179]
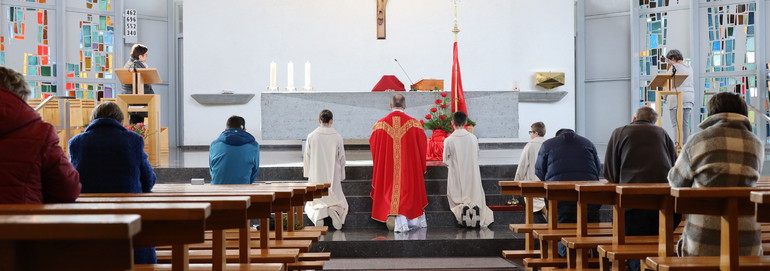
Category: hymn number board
[130,32]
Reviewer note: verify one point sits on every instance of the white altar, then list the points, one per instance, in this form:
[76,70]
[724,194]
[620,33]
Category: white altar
[292,115]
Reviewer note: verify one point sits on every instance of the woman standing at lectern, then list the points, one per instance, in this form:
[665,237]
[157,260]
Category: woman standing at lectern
[138,61]
[674,58]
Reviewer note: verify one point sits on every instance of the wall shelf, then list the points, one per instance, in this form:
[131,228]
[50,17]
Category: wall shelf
[222,99]
[545,96]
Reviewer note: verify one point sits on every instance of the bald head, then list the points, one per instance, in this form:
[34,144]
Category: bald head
[646,113]
[399,101]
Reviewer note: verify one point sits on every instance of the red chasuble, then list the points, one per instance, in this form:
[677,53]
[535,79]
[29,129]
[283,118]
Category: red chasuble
[398,145]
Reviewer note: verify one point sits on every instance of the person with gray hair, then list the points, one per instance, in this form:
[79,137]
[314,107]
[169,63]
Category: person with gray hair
[640,152]
[33,167]
[111,159]
[675,60]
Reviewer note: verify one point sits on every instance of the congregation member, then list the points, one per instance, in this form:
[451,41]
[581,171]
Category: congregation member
[676,62]
[725,153]
[33,167]
[324,162]
[399,145]
[234,155]
[569,157]
[464,190]
[111,159]
[639,152]
[525,170]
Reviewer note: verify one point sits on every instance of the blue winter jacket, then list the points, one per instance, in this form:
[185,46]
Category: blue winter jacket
[234,158]
[111,159]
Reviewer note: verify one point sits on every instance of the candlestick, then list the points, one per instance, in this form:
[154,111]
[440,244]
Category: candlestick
[308,85]
[290,77]
[273,79]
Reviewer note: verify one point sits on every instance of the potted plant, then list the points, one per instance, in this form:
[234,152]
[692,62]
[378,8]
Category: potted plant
[439,120]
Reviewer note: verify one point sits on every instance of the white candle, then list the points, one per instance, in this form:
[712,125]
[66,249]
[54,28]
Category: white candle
[273,78]
[308,85]
[290,77]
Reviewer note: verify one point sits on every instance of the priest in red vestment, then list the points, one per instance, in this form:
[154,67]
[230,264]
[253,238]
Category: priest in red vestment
[398,144]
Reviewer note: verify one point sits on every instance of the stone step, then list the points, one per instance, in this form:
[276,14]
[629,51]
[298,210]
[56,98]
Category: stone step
[435,171]
[426,242]
[432,186]
[435,202]
[363,220]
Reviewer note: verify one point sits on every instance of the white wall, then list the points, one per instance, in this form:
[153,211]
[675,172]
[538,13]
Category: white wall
[229,45]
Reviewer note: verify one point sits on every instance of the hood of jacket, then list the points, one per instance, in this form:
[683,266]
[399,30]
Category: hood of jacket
[14,112]
[732,120]
[236,137]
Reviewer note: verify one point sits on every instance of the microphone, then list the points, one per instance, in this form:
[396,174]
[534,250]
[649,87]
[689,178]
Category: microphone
[402,69]
[673,70]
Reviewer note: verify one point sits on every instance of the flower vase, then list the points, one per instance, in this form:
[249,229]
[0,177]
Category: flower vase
[436,145]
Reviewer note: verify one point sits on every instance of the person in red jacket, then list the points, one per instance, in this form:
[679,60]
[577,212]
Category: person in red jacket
[33,168]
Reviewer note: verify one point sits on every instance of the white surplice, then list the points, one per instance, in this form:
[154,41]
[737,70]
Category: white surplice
[324,162]
[461,155]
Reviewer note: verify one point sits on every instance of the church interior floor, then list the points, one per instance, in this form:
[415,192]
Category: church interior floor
[424,264]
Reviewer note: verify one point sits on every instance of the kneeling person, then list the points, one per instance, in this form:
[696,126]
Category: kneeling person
[234,156]
[464,191]
[324,162]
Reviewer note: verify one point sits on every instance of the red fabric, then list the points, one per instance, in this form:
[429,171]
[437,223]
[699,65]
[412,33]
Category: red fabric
[411,198]
[389,82]
[33,168]
[436,145]
[457,85]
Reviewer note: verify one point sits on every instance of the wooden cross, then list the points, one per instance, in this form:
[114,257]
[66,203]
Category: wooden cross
[381,4]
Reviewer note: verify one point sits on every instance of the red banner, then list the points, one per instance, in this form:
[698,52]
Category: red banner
[458,97]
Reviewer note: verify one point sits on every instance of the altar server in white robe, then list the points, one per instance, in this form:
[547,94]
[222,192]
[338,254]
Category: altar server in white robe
[324,162]
[464,191]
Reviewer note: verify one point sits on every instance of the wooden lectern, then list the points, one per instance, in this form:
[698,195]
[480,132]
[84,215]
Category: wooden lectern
[667,82]
[149,103]
[428,85]
[138,77]
[140,102]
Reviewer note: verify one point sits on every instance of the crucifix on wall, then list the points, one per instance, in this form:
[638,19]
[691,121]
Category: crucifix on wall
[381,4]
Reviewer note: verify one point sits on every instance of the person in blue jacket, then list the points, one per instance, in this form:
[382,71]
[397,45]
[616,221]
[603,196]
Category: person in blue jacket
[569,157]
[111,159]
[234,155]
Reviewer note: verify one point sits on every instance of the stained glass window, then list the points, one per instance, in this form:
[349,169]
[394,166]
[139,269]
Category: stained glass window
[746,86]
[103,5]
[30,34]
[42,89]
[653,45]
[90,91]
[35,1]
[96,48]
[731,38]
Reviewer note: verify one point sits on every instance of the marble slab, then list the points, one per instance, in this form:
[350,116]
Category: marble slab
[222,99]
[292,115]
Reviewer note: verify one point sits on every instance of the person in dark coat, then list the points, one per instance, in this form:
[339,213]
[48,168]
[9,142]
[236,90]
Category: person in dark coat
[33,167]
[640,152]
[111,159]
[569,157]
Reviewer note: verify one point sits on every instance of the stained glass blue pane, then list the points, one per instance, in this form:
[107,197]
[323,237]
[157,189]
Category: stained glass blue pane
[728,59]
[750,44]
[728,46]
[655,27]
[750,30]
[717,60]
[716,46]
[653,41]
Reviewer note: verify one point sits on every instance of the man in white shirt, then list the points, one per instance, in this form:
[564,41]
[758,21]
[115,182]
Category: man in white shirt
[464,191]
[525,171]
[324,162]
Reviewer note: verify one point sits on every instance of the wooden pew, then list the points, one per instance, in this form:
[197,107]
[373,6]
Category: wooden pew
[260,208]
[175,224]
[727,202]
[285,194]
[67,242]
[549,238]
[513,188]
[226,213]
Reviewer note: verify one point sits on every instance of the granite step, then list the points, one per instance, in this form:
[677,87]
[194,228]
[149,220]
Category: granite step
[363,220]
[426,242]
[435,202]
[432,186]
[183,175]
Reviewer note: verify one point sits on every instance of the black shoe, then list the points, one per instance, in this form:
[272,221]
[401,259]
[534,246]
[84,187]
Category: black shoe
[464,217]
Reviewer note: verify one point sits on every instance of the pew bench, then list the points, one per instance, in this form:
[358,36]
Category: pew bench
[67,242]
